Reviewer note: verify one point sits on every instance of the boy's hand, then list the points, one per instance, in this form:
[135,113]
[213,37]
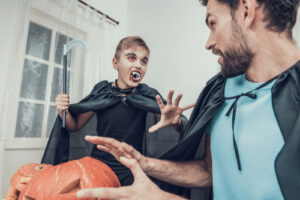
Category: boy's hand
[142,188]
[170,113]
[62,102]
[118,149]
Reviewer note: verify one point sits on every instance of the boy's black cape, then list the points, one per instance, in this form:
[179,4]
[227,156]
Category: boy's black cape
[63,146]
[101,97]
[286,104]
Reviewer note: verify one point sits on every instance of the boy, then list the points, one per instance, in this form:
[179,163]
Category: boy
[121,108]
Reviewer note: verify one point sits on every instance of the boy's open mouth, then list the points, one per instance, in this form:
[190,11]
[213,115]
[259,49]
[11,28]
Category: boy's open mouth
[135,76]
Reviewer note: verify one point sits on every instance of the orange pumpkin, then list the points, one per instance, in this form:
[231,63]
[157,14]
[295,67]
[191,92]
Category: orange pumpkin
[23,175]
[62,181]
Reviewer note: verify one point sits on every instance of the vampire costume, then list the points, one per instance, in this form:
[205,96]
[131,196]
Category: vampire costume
[286,105]
[121,114]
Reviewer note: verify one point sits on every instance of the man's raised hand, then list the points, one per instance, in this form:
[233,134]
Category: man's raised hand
[118,149]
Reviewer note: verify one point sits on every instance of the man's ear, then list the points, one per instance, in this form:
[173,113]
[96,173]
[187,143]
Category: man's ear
[115,63]
[249,9]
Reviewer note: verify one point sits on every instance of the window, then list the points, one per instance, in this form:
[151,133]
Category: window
[41,81]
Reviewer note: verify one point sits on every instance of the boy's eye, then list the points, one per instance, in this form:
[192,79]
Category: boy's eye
[131,58]
[144,62]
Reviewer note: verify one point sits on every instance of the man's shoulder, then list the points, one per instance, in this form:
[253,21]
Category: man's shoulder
[217,82]
[216,79]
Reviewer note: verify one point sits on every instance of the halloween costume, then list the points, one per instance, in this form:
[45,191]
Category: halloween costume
[286,105]
[121,114]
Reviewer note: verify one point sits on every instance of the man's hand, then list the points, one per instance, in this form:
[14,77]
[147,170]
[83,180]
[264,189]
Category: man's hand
[118,149]
[170,113]
[142,187]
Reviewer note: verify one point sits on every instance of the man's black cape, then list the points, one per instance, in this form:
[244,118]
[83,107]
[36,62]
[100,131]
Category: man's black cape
[286,105]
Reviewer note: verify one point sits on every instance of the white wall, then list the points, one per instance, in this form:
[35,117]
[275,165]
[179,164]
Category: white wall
[10,15]
[176,33]
[116,9]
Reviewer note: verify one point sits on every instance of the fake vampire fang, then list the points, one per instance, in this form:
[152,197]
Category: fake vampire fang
[135,76]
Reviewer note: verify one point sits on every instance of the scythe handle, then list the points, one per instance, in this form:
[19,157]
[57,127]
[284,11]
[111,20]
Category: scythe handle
[64,89]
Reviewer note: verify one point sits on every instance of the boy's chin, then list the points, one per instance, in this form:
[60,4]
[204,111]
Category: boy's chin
[134,83]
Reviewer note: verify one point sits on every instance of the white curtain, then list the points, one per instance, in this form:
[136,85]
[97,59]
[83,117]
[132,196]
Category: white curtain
[63,17]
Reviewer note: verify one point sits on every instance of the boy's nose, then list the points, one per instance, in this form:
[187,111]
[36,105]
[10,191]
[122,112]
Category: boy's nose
[138,65]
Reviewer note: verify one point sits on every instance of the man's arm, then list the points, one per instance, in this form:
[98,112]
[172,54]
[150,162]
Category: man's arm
[142,187]
[195,173]
[187,174]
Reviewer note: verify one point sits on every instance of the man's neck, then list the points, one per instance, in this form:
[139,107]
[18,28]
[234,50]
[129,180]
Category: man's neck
[275,55]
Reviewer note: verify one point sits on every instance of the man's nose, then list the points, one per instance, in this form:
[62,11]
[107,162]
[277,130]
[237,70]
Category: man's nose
[210,42]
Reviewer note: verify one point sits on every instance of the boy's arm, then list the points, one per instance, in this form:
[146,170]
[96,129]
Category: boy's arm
[73,123]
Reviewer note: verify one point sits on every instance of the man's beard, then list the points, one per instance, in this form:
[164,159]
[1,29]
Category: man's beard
[236,60]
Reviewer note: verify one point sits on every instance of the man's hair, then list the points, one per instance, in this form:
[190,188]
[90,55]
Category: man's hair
[128,42]
[280,15]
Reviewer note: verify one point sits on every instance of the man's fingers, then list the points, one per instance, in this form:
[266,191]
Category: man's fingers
[170,96]
[134,167]
[188,107]
[160,102]
[155,127]
[103,148]
[104,141]
[177,100]
[105,193]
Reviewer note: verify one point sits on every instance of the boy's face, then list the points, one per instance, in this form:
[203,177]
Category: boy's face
[131,66]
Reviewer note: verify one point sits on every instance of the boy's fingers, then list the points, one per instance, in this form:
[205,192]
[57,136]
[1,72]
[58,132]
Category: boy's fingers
[170,96]
[177,100]
[155,127]
[159,102]
[105,193]
[188,107]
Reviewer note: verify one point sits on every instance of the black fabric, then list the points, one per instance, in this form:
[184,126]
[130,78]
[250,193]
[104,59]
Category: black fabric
[101,97]
[104,96]
[286,104]
[126,124]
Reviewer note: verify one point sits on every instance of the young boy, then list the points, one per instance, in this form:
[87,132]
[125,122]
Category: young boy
[121,108]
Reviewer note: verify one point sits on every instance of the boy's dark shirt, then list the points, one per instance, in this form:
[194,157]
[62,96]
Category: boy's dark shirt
[126,124]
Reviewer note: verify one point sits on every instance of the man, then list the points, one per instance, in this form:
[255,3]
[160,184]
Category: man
[250,113]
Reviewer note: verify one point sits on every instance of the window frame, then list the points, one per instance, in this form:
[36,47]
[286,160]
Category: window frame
[56,26]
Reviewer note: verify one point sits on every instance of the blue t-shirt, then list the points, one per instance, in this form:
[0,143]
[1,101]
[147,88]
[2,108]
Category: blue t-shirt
[259,141]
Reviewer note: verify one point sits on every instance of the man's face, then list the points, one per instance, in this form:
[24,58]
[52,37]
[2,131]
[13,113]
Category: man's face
[131,66]
[227,40]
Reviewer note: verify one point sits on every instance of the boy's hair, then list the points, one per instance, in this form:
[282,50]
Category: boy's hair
[128,42]
[281,15]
